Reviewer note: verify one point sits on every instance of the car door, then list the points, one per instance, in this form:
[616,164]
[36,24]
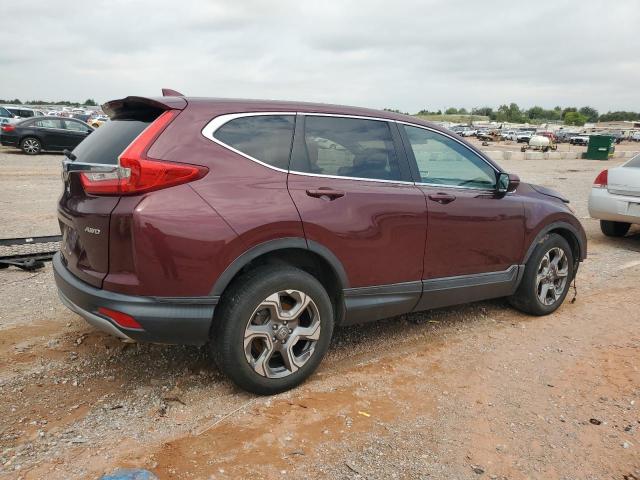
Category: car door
[351,183]
[475,235]
[75,132]
[51,132]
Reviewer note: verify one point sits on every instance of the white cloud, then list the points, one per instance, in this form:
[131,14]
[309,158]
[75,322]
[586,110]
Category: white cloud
[404,54]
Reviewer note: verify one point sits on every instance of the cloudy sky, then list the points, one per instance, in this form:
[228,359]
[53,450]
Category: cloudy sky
[401,54]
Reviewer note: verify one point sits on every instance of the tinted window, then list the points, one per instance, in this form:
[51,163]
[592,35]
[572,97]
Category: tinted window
[48,123]
[634,162]
[348,147]
[26,113]
[443,161]
[265,137]
[5,113]
[106,143]
[76,126]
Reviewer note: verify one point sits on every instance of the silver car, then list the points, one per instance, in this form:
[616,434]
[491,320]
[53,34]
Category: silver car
[615,198]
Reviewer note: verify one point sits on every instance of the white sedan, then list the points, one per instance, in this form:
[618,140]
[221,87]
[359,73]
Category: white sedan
[615,198]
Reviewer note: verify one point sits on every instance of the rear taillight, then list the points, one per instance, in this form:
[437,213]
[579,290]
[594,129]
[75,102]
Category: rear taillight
[8,128]
[136,172]
[602,179]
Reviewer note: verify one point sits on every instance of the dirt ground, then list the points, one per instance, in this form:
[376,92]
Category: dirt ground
[473,392]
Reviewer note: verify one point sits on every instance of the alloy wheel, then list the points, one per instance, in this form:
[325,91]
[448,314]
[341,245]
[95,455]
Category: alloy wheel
[282,333]
[31,146]
[552,275]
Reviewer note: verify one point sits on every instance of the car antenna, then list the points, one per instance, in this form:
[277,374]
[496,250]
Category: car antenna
[69,154]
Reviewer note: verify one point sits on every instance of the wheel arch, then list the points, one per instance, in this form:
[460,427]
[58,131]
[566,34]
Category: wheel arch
[567,231]
[309,256]
[30,135]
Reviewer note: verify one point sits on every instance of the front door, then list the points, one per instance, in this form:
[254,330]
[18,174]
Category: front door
[75,132]
[351,184]
[473,230]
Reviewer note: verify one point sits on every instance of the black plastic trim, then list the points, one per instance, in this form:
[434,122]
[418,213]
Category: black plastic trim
[365,304]
[165,319]
[279,244]
[444,292]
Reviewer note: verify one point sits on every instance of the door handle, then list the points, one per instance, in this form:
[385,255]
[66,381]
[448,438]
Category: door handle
[442,198]
[321,192]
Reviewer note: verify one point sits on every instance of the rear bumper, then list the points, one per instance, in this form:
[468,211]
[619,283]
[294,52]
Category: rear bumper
[8,141]
[604,205]
[179,320]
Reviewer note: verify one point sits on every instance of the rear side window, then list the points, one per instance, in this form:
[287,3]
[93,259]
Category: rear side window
[266,138]
[348,147]
[105,144]
[48,123]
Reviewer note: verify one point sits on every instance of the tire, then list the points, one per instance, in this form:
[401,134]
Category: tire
[31,146]
[532,287]
[243,313]
[614,229]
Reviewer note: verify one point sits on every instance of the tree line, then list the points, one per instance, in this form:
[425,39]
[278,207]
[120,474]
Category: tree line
[514,114]
[89,102]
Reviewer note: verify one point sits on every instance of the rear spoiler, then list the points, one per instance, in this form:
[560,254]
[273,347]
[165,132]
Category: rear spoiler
[157,104]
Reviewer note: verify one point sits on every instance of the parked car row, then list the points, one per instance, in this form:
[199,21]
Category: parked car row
[35,135]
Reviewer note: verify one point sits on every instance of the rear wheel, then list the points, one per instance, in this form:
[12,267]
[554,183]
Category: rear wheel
[547,276]
[31,146]
[272,329]
[614,229]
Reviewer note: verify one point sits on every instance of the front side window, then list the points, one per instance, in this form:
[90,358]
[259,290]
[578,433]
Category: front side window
[443,161]
[76,126]
[48,123]
[264,137]
[348,147]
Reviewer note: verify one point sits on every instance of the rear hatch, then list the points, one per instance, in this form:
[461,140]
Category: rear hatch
[84,217]
[625,180]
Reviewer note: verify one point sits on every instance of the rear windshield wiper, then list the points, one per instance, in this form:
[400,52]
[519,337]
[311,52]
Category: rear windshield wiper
[69,155]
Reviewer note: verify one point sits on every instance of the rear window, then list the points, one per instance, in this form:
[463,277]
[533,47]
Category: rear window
[264,137]
[634,162]
[105,144]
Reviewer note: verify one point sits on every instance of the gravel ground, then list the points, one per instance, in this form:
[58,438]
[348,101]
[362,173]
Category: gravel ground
[478,391]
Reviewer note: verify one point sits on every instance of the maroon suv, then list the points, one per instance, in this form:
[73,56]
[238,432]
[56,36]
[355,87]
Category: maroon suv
[259,226]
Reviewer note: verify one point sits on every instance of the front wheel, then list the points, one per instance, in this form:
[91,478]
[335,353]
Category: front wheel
[31,146]
[614,229]
[272,329]
[547,277]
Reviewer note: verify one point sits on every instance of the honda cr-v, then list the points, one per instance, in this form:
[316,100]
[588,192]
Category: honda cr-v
[259,226]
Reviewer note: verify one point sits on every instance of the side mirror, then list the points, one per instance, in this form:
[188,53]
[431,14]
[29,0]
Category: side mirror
[507,182]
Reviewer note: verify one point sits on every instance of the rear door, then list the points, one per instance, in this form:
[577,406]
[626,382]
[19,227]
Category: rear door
[51,132]
[350,181]
[83,218]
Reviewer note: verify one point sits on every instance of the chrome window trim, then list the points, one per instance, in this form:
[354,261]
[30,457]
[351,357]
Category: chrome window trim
[211,127]
[338,177]
[463,187]
[217,122]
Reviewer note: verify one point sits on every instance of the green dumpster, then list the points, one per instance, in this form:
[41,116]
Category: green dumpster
[601,147]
